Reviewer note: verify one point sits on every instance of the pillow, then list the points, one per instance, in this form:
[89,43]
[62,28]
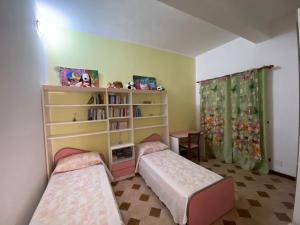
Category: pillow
[151,147]
[77,161]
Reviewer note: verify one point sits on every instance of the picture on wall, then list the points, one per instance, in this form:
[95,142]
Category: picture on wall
[78,77]
[144,83]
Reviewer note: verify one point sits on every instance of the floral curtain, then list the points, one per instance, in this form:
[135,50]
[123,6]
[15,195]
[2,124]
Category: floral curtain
[233,117]
[248,94]
[215,106]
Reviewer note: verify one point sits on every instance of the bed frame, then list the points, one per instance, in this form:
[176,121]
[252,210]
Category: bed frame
[209,204]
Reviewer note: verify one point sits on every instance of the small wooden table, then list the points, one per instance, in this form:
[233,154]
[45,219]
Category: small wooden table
[176,136]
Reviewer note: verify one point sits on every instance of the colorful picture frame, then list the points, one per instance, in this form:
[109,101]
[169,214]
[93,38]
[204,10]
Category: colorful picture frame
[78,77]
[144,83]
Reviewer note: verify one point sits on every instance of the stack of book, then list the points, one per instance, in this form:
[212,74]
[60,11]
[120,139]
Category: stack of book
[118,112]
[118,99]
[96,114]
[96,99]
[118,125]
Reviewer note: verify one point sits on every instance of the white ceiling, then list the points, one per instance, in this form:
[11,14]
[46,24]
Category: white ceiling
[255,20]
[146,22]
[188,27]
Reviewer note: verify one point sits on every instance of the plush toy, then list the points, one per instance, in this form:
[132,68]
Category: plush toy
[118,84]
[130,85]
[160,88]
[85,81]
[110,85]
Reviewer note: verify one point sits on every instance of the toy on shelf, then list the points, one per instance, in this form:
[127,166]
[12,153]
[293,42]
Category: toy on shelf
[160,88]
[115,84]
[118,84]
[110,85]
[130,85]
[85,81]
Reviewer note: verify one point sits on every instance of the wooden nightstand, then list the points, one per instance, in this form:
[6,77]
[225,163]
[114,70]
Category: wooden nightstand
[123,170]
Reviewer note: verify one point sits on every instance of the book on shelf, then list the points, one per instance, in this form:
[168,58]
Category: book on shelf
[96,114]
[96,99]
[117,125]
[118,99]
[118,112]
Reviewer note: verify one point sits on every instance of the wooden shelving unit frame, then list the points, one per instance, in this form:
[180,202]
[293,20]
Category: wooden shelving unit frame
[48,122]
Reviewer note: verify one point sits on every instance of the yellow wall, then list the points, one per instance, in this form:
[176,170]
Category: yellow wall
[116,60]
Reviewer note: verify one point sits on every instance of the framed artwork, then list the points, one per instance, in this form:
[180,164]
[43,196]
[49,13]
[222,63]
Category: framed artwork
[144,83]
[78,77]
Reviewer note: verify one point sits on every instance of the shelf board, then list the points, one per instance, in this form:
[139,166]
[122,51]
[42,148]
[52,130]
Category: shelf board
[148,127]
[118,146]
[56,88]
[119,130]
[122,160]
[118,118]
[75,122]
[152,104]
[148,92]
[84,105]
[119,104]
[118,90]
[64,136]
[149,117]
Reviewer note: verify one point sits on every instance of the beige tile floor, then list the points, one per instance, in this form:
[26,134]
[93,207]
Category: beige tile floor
[260,199]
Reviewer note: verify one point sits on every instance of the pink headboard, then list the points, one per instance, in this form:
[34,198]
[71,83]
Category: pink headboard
[152,137]
[65,152]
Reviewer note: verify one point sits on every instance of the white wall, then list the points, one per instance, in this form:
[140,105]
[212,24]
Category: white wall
[296,218]
[22,164]
[239,55]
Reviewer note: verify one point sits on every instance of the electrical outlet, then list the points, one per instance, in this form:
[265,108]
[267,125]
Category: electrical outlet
[278,163]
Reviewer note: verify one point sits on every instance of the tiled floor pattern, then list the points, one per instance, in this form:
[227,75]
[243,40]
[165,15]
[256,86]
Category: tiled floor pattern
[260,199]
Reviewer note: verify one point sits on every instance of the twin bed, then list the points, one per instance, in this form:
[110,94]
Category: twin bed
[79,191]
[193,194]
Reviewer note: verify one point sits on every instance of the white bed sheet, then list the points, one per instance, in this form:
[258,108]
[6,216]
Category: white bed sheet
[79,197]
[174,179]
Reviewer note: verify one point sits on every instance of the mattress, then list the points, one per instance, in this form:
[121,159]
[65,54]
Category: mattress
[174,180]
[79,197]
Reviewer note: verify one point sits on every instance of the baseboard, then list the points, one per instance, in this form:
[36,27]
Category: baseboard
[282,175]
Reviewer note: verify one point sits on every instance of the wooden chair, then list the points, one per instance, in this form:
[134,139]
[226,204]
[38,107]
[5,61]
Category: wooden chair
[192,143]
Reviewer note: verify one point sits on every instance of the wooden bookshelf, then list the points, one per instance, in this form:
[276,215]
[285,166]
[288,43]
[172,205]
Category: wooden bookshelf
[58,112]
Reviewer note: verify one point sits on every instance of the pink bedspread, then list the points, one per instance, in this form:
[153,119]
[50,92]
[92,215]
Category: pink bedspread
[80,197]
